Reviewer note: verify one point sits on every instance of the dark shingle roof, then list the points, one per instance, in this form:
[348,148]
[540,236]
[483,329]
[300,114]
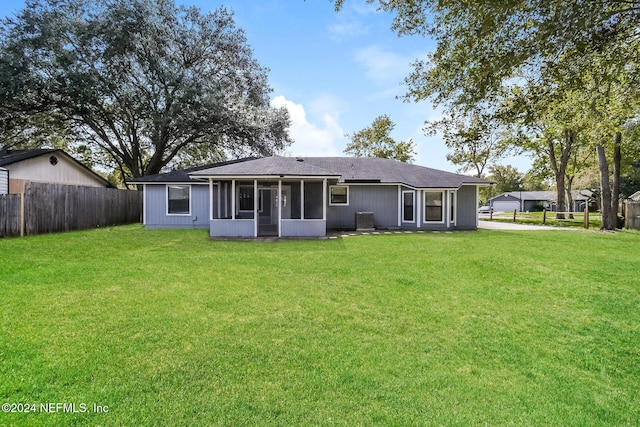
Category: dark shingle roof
[268,166]
[8,157]
[348,169]
[183,175]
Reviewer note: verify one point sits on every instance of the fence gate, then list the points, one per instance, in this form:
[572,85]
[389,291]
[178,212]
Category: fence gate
[632,214]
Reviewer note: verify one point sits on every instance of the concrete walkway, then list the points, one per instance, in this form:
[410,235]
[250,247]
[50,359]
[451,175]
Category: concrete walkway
[498,225]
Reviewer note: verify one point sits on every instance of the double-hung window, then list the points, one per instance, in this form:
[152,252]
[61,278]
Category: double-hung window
[408,201]
[433,206]
[339,195]
[178,199]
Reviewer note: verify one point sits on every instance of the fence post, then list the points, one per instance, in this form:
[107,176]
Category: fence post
[490,214]
[586,217]
[544,215]
[514,215]
[22,214]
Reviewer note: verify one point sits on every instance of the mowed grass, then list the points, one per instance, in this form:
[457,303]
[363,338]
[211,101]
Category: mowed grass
[165,327]
[537,218]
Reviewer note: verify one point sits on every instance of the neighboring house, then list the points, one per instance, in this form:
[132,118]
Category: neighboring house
[635,196]
[306,196]
[47,165]
[526,201]
[4,181]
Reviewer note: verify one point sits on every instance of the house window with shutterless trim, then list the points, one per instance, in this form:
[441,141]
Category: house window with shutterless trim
[178,200]
[433,206]
[408,200]
[338,195]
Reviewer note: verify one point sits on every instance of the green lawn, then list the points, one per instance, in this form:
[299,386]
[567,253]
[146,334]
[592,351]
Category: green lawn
[537,218]
[165,327]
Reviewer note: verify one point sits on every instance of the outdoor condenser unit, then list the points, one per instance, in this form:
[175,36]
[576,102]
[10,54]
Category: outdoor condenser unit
[364,221]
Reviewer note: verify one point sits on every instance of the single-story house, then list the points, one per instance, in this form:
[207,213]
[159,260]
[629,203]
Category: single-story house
[525,201]
[306,196]
[4,181]
[52,166]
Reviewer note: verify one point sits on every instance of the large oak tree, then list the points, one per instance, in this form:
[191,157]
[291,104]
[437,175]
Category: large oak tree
[143,84]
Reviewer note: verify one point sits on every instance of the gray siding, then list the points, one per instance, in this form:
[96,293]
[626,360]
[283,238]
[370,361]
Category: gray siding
[467,212]
[4,181]
[156,208]
[382,200]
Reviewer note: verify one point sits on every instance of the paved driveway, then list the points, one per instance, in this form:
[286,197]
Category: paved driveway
[498,225]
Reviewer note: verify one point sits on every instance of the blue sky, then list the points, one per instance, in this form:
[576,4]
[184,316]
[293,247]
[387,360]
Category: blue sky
[335,72]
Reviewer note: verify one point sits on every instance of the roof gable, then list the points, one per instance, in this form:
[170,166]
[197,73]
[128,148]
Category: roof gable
[12,157]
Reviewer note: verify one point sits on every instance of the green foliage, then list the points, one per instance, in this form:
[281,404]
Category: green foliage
[145,84]
[558,51]
[376,141]
[506,178]
[476,138]
[166,327]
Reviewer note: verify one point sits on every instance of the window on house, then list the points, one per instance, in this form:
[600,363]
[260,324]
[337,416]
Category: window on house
[433,206]
[178,199]
[408,198]
[245,195]
[452,207]
[338,195]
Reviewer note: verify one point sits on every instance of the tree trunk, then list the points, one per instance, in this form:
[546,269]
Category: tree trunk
[608,215]
[561,196]
[617,160]
[560,169]
[569,195]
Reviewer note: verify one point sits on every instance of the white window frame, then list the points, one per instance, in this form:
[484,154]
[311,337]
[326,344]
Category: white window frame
[413,211]
[453,207]
[167,199]
[331,203]
[443,214]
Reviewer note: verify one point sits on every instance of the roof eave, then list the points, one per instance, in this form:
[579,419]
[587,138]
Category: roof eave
[270,176]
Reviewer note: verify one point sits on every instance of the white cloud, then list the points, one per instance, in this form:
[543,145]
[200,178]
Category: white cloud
[349,25]
[347,29]
[384,67]
[311,139]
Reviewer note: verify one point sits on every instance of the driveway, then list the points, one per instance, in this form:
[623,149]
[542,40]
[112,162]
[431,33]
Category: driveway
[498,225]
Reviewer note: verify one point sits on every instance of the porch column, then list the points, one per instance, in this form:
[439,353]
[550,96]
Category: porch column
[233,199]
[210,199]
[279,208]
[256,216]
[324,199]
[219,200]
[302,199]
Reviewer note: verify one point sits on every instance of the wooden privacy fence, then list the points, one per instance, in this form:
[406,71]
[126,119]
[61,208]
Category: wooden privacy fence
[47,208]
[632,214]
